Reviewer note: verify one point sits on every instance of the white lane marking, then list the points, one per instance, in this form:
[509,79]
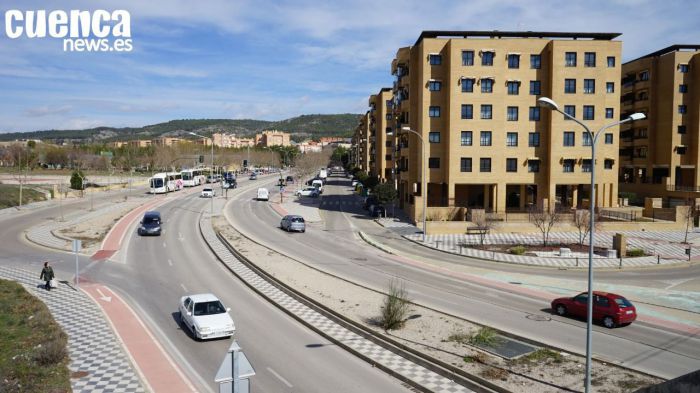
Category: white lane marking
[103,297]
[289,385]
[184,288]
[180,237]
[170,262]
[163,244]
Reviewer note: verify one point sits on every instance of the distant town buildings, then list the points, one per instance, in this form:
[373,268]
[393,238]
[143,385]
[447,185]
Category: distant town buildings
[272,138]
[309,147]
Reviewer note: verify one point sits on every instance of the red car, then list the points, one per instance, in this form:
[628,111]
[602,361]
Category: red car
[611,309]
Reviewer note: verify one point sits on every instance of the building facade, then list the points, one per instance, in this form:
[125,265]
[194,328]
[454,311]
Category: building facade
[472,98]
[381,140]
[272,138]
[659,156]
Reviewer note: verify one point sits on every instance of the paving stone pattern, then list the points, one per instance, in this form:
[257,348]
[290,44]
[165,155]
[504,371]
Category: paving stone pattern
[92,345]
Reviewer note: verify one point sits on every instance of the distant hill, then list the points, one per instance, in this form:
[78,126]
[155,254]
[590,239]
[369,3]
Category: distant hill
[301,127]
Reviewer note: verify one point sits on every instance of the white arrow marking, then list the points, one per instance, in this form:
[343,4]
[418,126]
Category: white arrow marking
[170,262]
[163,244]
[103,297]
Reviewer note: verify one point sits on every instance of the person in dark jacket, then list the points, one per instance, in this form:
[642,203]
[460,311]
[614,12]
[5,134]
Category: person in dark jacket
[47,275]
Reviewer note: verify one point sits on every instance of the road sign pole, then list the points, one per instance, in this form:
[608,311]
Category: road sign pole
[76,248]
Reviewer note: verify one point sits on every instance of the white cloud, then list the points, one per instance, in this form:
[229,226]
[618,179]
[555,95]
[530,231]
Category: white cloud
[47,110]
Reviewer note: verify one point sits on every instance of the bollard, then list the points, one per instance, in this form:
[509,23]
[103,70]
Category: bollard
[620,261]
[658,259]
[576,261]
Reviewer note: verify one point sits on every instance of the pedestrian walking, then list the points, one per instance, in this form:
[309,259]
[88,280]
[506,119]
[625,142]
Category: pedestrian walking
[47,275]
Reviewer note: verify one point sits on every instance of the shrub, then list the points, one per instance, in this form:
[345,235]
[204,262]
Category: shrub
[459,337]
[485,336]
[635,252]
[517,250]
[76,180]
[52,352]
[395,307]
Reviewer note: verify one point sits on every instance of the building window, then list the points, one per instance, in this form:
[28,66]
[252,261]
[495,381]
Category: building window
[681,150]
[486,112]
[485,138]
[535,88]
[588,112]
[533,166]
[608,163]
[609,113]
[568,166]
[388,144]
[534,113]
[434,85]
[387,157]
[681,129]
[467,57]
[586,139]
[487,58]
[683,68]
[569,138]
[611,61]
[434,137]
[434,111]
[569,110]
[435,59]
[586,166]
[466,138]
[610,87]
[512,139]
[513,60]
[570,86]
[468,85]
[512,113]
[513,88]
[682,88]
[465,164]
[682,109]
[486,85]
[608,139]
[644,75]
[484,164]
[589,86]
[467,111]
[589,59]
[511,164]
[434,162]
[570,59]
[533,139]
[535,62]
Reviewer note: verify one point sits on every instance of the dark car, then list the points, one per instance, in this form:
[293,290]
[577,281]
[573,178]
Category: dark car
[290,179]
[253,176]
[150,224]
[369,201]
[377,211]
[611,309]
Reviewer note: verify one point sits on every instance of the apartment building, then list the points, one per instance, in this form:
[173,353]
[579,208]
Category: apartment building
[272,138]
[472,98]
[659,157]
[381,131]
[361,156]
[166,141]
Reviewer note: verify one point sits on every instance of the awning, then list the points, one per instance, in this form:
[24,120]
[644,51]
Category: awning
[468,77]
[433,53]
[513,80]
[487,77]
[434,80]
[514,53]
[687,166]
[487,50]
[533,159]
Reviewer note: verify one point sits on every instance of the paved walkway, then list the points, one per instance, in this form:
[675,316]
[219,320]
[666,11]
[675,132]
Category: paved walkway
[92,345]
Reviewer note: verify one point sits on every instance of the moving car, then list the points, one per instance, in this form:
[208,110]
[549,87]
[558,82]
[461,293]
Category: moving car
[213,178]
[150,224]
[369,201]
[208,192]
[205,316]
[611,309]
[253,176]
[293,223]
[308,191]
[319,185]
[290,179]
[263,194]
[230,183]
[377,211]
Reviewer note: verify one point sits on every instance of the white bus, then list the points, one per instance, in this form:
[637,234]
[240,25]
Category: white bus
[159,183]
[175,181]
[193,177]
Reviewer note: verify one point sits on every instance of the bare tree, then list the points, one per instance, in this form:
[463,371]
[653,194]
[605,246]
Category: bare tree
[484,222]
[309,163]
[582,221]
[689,216]
[544,220]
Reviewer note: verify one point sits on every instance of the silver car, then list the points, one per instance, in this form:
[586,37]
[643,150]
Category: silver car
[293,223]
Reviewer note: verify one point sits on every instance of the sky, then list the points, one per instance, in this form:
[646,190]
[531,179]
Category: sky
[272,60]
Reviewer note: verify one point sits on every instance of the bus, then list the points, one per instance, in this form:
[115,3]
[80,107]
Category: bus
[159,183]
[175,181]
[193,177]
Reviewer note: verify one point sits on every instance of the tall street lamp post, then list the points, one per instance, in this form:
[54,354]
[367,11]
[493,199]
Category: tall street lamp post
[212,167]
[550,104]
[424,181]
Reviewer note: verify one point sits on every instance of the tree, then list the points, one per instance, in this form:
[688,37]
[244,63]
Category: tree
[309,163]
[385,193]
[484,222]
[370,182]
[582,221]
[689,217]
[76,180]
[544,220]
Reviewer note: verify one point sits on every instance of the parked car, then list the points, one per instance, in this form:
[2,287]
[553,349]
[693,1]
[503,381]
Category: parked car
[253,176]
[377,211]
[293,223]
[263,194]
[150,224]
[308,191]
[290,179]
[369,201]
[213,178]
[205,316]
[318,184]
[230,183]
[611,309]
[208,192]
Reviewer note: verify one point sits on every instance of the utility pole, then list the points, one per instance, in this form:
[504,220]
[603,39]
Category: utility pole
[19,164]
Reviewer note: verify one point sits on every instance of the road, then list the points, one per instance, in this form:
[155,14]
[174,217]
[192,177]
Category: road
[332,247]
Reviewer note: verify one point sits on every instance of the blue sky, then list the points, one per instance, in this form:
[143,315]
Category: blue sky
[274,59]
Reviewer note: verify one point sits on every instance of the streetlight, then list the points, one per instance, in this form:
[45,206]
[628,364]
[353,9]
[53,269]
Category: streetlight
[549,103]
[424,181]
[211,172]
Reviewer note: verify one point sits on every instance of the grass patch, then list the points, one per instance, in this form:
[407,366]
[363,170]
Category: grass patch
[459,337]
[635,252]
[395,307]
[517,250]
[9,195]
[33,353]
[495,373]
[631,385]
[485,337]
[541,355]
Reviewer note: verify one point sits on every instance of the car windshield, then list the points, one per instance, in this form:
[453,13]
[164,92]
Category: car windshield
[207,189]
[297,219]
[151,220]
[209,308]
[622,302]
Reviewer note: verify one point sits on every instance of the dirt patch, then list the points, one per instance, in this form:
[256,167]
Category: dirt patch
[91,232]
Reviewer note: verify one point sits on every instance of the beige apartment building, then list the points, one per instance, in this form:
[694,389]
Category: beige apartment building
[381,161]
[231,141]
[272,138]
[166,141]
[472,96]
[659,157]
[361,156]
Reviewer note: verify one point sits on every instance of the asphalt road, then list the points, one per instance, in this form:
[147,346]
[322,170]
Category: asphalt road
[332,247]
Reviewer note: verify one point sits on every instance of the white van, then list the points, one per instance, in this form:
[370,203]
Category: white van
[263,194]
[319,185]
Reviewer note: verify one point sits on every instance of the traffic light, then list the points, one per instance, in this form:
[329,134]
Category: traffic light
[245,163]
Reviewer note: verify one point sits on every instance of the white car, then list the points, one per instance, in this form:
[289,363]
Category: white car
[205,316]
[308,191]
[208,193]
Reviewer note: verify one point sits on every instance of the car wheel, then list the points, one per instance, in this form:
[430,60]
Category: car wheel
[609,322]
[560,309]
[303,230]
[194,333]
